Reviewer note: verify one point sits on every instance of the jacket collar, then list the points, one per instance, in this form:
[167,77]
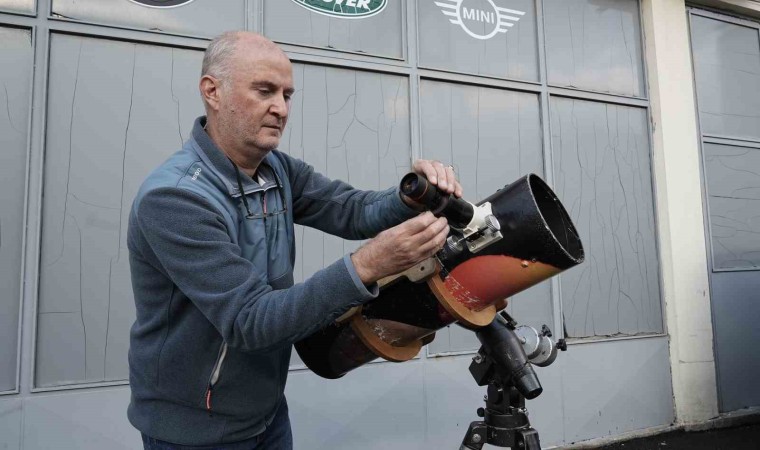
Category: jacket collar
[222,167]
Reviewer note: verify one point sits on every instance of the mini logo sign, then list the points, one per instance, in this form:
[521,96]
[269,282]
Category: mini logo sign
[344,9]
[481,19]
[161,3]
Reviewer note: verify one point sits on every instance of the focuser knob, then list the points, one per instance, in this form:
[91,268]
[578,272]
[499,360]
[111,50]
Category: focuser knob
[454,244]
[492,223]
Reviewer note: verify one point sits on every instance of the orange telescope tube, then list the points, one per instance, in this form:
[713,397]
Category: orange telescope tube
[538,241]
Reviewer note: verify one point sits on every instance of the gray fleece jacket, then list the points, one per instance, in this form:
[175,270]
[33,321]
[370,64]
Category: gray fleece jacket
[217,310]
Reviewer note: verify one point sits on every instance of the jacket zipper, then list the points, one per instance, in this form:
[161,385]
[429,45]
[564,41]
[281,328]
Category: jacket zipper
[215,375]
[264,205]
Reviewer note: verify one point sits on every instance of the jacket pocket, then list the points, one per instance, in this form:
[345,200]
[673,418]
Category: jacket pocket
[186,362]
[250,384]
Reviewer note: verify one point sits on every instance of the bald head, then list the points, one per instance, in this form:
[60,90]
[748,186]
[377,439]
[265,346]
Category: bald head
[221,54]
[246,86]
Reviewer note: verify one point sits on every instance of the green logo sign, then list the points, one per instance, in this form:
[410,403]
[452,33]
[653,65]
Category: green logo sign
[345,9]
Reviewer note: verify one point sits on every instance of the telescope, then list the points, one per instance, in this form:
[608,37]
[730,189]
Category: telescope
[510,241]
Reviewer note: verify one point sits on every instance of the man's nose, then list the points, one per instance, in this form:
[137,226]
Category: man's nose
[280,107]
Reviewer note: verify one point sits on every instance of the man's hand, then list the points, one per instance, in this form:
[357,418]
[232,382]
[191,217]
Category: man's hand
[439,175]
[399,248]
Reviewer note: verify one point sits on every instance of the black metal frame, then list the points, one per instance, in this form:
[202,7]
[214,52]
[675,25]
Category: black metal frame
[505,422]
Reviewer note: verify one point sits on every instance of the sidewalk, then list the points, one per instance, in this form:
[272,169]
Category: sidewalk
[736,430]
[736,438]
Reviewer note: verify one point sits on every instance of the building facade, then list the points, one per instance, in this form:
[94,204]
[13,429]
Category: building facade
[644,116]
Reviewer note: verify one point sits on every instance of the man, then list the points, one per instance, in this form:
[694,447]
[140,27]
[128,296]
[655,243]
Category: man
[212,253]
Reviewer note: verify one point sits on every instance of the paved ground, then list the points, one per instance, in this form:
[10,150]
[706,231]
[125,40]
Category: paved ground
[745,437]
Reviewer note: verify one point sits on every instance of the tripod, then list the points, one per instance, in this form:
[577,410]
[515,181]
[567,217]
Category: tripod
[501,364]
[505,423]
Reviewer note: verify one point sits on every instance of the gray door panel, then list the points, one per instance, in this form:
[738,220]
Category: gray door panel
[736,307]
[732,175]
[205,18]
[602,175]
[726,60]
[492,137]
[381,34]
[595,44]
[16,59]
[350,125]
[474,43]
[115,111]
[22,6]
[727,72]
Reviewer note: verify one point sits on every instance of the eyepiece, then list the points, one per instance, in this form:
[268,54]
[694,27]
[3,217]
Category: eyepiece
[418,188]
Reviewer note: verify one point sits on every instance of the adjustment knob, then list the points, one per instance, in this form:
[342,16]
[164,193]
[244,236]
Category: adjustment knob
[492,223]
[454,244]
[548,352]
[530,340]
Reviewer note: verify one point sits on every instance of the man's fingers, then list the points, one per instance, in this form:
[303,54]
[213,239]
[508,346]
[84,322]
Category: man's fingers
[451,178]
[440,170]
[458,191]
[431,246]
[456,188]
[425,167]
[434,236]
[439,174]
[432,230]
[418,224]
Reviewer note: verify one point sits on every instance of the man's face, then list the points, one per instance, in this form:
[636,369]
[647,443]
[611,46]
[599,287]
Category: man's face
[255,101]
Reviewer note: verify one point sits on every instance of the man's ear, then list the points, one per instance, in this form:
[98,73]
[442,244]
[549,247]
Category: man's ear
[209,87]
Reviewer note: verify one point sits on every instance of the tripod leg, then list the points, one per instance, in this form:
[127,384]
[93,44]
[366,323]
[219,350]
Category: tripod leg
[529,439]
[475,437]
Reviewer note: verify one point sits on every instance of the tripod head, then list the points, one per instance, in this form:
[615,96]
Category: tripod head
[501,359]
[503,365]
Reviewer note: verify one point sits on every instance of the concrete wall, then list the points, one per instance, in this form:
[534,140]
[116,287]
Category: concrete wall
[681,223]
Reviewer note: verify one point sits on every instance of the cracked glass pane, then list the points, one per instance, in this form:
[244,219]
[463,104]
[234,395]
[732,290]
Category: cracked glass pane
[484,37]
[205,18]
[24,6]
[492,137]
[733,197]
[595,45]
[727,72]
[350,125]
[380,35]
[16,59]
[116,110]
[602,174]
